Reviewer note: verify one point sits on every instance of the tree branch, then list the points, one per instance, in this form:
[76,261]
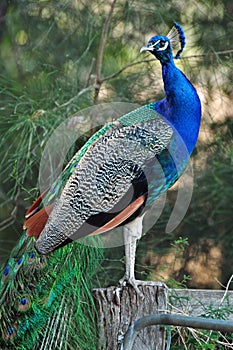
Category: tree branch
[209,54]
[80,93]
[90,72]
[126,67]
[99,63]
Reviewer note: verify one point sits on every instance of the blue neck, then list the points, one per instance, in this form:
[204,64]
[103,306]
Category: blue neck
[181,106]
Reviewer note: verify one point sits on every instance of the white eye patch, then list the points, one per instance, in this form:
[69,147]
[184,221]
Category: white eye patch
[151,47]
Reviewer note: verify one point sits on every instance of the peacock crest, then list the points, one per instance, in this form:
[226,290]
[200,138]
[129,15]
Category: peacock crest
[177,39]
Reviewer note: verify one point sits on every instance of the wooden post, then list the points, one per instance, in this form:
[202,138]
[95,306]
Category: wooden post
[119,307]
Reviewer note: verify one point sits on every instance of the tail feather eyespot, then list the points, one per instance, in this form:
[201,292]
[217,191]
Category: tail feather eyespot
[24,303]
[10,333]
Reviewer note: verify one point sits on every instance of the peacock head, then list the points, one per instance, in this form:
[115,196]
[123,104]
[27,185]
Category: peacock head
[161,46]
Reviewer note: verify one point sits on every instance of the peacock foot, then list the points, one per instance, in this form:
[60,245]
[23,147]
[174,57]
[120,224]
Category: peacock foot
[133,283]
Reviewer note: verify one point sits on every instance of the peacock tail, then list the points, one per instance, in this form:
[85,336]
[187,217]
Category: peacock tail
[46,302]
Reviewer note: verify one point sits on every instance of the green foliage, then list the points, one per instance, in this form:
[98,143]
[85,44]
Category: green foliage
[181,243]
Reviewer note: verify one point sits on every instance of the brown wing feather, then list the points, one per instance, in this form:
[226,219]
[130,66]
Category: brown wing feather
[122,216]
[36,222]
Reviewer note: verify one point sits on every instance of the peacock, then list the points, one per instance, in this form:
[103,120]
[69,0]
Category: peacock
[113,180]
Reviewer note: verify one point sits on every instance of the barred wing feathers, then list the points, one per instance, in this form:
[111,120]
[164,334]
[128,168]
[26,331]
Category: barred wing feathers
[109,177]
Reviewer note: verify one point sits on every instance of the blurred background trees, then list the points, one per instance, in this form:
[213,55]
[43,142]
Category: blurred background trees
[51,66]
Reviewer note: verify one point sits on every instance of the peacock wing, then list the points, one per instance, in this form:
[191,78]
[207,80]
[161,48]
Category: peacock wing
[109,178]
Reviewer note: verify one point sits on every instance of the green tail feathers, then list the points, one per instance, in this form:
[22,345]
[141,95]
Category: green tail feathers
[46,302]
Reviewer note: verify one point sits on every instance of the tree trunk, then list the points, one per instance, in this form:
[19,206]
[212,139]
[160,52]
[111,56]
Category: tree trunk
[118,307]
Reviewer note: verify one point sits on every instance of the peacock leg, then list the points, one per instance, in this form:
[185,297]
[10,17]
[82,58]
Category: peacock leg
[132,232]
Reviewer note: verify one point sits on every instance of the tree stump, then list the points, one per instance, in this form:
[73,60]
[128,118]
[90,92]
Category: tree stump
[119,307]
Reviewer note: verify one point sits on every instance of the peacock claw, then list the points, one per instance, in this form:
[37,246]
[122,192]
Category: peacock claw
[133,283]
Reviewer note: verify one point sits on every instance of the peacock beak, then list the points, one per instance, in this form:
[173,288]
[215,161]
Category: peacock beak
[147,47]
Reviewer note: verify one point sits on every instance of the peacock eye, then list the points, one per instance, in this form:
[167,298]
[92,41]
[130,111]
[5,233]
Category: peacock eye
[162,43]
